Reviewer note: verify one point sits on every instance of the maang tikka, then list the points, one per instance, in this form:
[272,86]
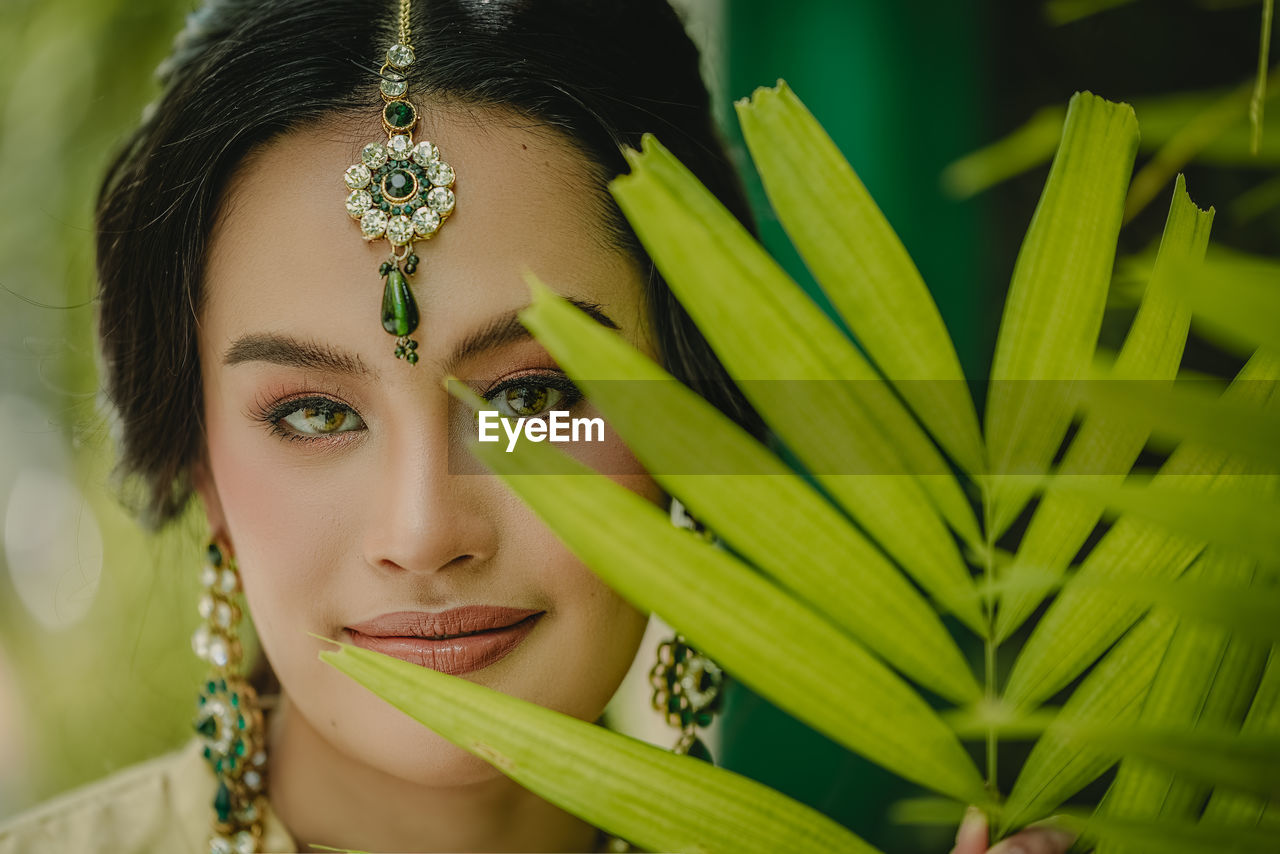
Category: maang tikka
[401,191]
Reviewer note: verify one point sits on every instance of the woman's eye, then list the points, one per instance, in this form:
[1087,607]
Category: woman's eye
[529,397]
[321,418]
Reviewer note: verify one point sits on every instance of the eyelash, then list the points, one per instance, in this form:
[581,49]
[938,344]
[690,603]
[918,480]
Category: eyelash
[273,416]
[571,393]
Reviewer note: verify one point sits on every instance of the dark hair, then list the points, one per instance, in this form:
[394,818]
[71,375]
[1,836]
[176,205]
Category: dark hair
[601,72]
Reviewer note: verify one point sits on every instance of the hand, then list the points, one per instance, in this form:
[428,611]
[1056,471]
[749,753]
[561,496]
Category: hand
[972,838]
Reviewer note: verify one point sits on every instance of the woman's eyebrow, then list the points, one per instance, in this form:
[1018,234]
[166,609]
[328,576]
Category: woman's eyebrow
[506,328]
[280,349]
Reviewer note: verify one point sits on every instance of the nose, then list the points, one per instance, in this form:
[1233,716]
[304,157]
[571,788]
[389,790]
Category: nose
[424,519]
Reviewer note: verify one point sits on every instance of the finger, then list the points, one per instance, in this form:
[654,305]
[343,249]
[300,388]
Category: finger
[971,838]
[1040,840]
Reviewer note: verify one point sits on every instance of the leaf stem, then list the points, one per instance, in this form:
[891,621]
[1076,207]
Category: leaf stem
[1260,85]
[989,645]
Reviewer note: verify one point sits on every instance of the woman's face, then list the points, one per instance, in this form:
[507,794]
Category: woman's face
[339,474]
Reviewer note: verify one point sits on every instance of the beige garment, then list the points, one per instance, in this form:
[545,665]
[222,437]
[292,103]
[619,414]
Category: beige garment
[160,806]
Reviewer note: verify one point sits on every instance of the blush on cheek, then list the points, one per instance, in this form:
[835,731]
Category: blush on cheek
[282,518]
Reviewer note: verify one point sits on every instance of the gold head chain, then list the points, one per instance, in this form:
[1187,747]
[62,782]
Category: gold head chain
[400,191]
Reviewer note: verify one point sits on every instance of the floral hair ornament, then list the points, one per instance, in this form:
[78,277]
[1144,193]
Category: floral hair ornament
[400,190]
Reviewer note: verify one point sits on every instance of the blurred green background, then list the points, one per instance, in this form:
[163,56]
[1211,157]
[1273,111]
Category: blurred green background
[95,667]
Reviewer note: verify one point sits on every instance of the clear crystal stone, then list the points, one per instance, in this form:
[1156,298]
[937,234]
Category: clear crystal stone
[424,152]
[249,812]
[206,606]
[440,199]
[220,845]
[374,155]
[219,651]
[399,230]
[260,758]
[209,575]
[245,843]
[425,221]
[200,642]
[228,582]
[399,146]
[440,173]
[393,85]
[358,202]
[357,176]
[695,668]
[253,780]
[373,223]
[222,615]
[400,55]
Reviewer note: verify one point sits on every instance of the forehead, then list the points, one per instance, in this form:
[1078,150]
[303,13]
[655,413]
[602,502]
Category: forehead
[285,256]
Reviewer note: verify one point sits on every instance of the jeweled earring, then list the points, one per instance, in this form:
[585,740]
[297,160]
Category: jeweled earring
[686,684]
[228,716]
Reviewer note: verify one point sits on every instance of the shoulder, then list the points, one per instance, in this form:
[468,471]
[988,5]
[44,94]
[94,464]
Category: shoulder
[157,805]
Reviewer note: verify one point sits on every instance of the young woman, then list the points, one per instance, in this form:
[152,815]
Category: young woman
[253,261]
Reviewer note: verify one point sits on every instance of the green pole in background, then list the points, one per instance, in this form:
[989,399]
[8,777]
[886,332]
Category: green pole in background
[896,86]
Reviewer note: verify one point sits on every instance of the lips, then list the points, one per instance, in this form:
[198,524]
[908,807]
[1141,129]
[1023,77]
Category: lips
[460,640]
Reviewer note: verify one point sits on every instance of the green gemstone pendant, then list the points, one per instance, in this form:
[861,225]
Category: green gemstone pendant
[400,190]
[222,802]
[400,314]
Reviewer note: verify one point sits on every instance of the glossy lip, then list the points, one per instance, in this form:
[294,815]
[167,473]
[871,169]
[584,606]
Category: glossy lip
[456,641]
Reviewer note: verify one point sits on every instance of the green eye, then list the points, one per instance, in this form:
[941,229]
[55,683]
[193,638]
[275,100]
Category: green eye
[527,400]
[532,396]
[321,418]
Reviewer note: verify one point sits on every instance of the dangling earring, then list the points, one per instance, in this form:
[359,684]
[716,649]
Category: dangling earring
[686,683]
[228,716]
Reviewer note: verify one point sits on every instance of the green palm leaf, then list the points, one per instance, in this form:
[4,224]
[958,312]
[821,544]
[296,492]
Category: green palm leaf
[1196,661]
[1084,620]
[1105,443]
[1054,307]
[1162,118]
[1172,837]
[1237,302]
[1059,766]
[754,502]
[1228,805]
[810,608]
[1237,517]
[1190,413]
[1251,613]
[1248,763]
[862,266]
[613,781]
[760,633]
[808,367]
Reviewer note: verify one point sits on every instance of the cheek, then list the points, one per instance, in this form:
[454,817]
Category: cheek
[297,525]
[284,519]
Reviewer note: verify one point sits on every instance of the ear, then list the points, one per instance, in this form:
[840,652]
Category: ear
[202,482]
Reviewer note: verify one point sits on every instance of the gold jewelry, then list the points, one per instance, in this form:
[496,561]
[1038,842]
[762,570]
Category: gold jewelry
[229,719]
[228,716]
[686,689]
[686,684]
[401,190]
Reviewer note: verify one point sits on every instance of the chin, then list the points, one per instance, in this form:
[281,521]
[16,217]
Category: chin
[391,742]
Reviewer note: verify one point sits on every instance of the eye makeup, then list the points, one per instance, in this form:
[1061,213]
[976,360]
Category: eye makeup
[308,418]
[317,417]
